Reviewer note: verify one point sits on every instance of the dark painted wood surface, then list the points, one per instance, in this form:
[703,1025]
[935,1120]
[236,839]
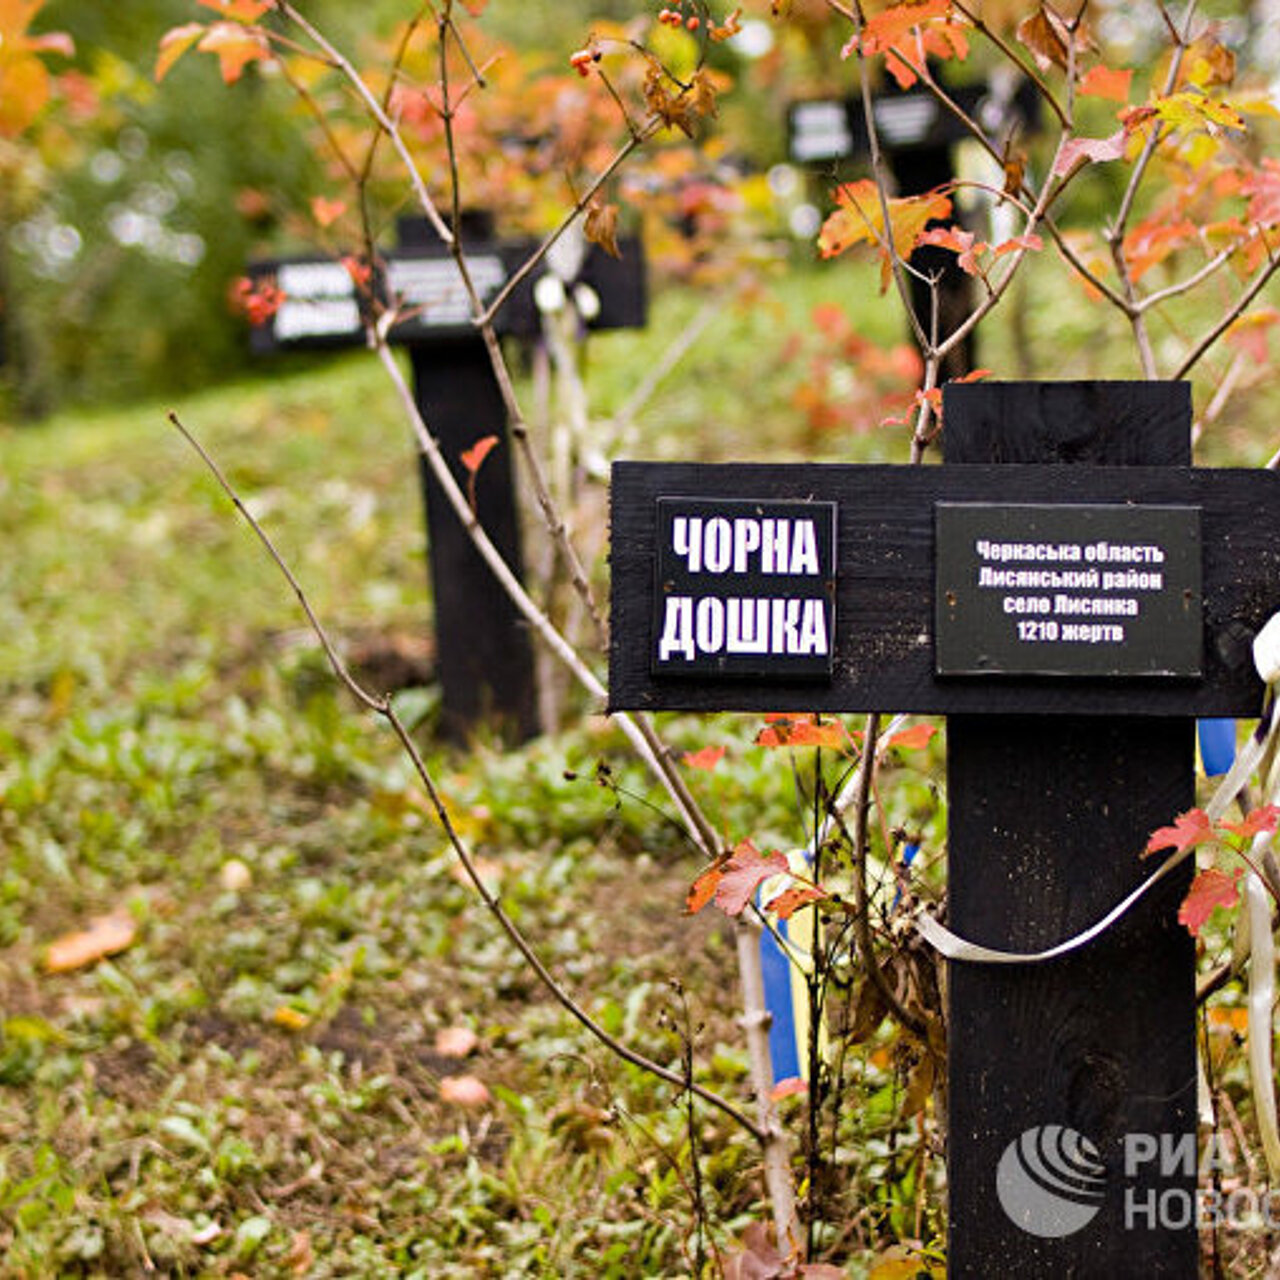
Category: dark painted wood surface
[484,653]
[884,617]
[1045,819]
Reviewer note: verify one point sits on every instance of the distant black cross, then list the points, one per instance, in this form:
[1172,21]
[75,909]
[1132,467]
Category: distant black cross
[483,652]
[917,136]
[1071,597]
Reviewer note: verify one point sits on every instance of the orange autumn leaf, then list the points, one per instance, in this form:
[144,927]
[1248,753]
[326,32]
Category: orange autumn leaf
[704,888]
[859,219]
[473,458]
[25,83]
[239,10]
[789,901]
[907,34]
[1107,82]
[327,212]
[913,739]
[105,936]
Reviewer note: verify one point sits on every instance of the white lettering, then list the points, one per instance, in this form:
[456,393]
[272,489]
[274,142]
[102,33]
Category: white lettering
[717,545]
[813,627]
[686,540]
[804,549]
[746,539]
[709,624]
[747,626]
[677,629]
[785,635]
[776,539]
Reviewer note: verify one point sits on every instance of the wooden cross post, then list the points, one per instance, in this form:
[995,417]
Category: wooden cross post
[1071,597]
[917,136]
[484,656]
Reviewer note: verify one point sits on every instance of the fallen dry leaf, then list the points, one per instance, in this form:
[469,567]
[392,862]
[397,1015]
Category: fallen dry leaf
[105,936]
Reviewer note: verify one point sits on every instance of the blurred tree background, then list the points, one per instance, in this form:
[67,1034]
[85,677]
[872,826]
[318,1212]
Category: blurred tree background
[116,248]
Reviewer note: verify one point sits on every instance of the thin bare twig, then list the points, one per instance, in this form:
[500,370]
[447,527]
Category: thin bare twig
[384,707]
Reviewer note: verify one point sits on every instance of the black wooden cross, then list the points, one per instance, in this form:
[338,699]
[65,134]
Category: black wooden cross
[1071,596]
[917,136]
[483,652]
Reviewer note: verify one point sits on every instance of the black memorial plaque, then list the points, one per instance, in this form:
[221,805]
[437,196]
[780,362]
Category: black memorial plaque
[1068,590]
[744,588]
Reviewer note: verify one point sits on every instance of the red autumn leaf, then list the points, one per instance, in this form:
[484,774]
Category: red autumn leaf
[1106,82]
[1189,830]
[789,901]
[1260,820]
[703,888]
[964,244]
[1210,889]
[743,874]
[473,458]
[1079,151]
[706,759]
[919,735]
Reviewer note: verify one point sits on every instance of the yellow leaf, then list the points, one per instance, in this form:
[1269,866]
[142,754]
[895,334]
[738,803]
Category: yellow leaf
[290,1018]
[105,936]
[1189,111]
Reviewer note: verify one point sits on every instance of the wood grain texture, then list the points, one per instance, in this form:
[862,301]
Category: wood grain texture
[1046,817]
[885,556]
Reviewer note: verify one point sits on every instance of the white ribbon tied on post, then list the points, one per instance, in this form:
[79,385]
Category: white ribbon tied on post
[1254,927]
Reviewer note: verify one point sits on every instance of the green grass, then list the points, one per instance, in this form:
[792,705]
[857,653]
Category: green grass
[253,1086]
[254,1083]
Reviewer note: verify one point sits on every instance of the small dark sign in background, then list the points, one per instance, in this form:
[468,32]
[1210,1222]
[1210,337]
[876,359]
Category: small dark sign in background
[744,588]
[1068,590]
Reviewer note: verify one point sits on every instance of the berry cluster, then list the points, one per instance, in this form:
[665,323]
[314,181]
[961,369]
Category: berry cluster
[676,18]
